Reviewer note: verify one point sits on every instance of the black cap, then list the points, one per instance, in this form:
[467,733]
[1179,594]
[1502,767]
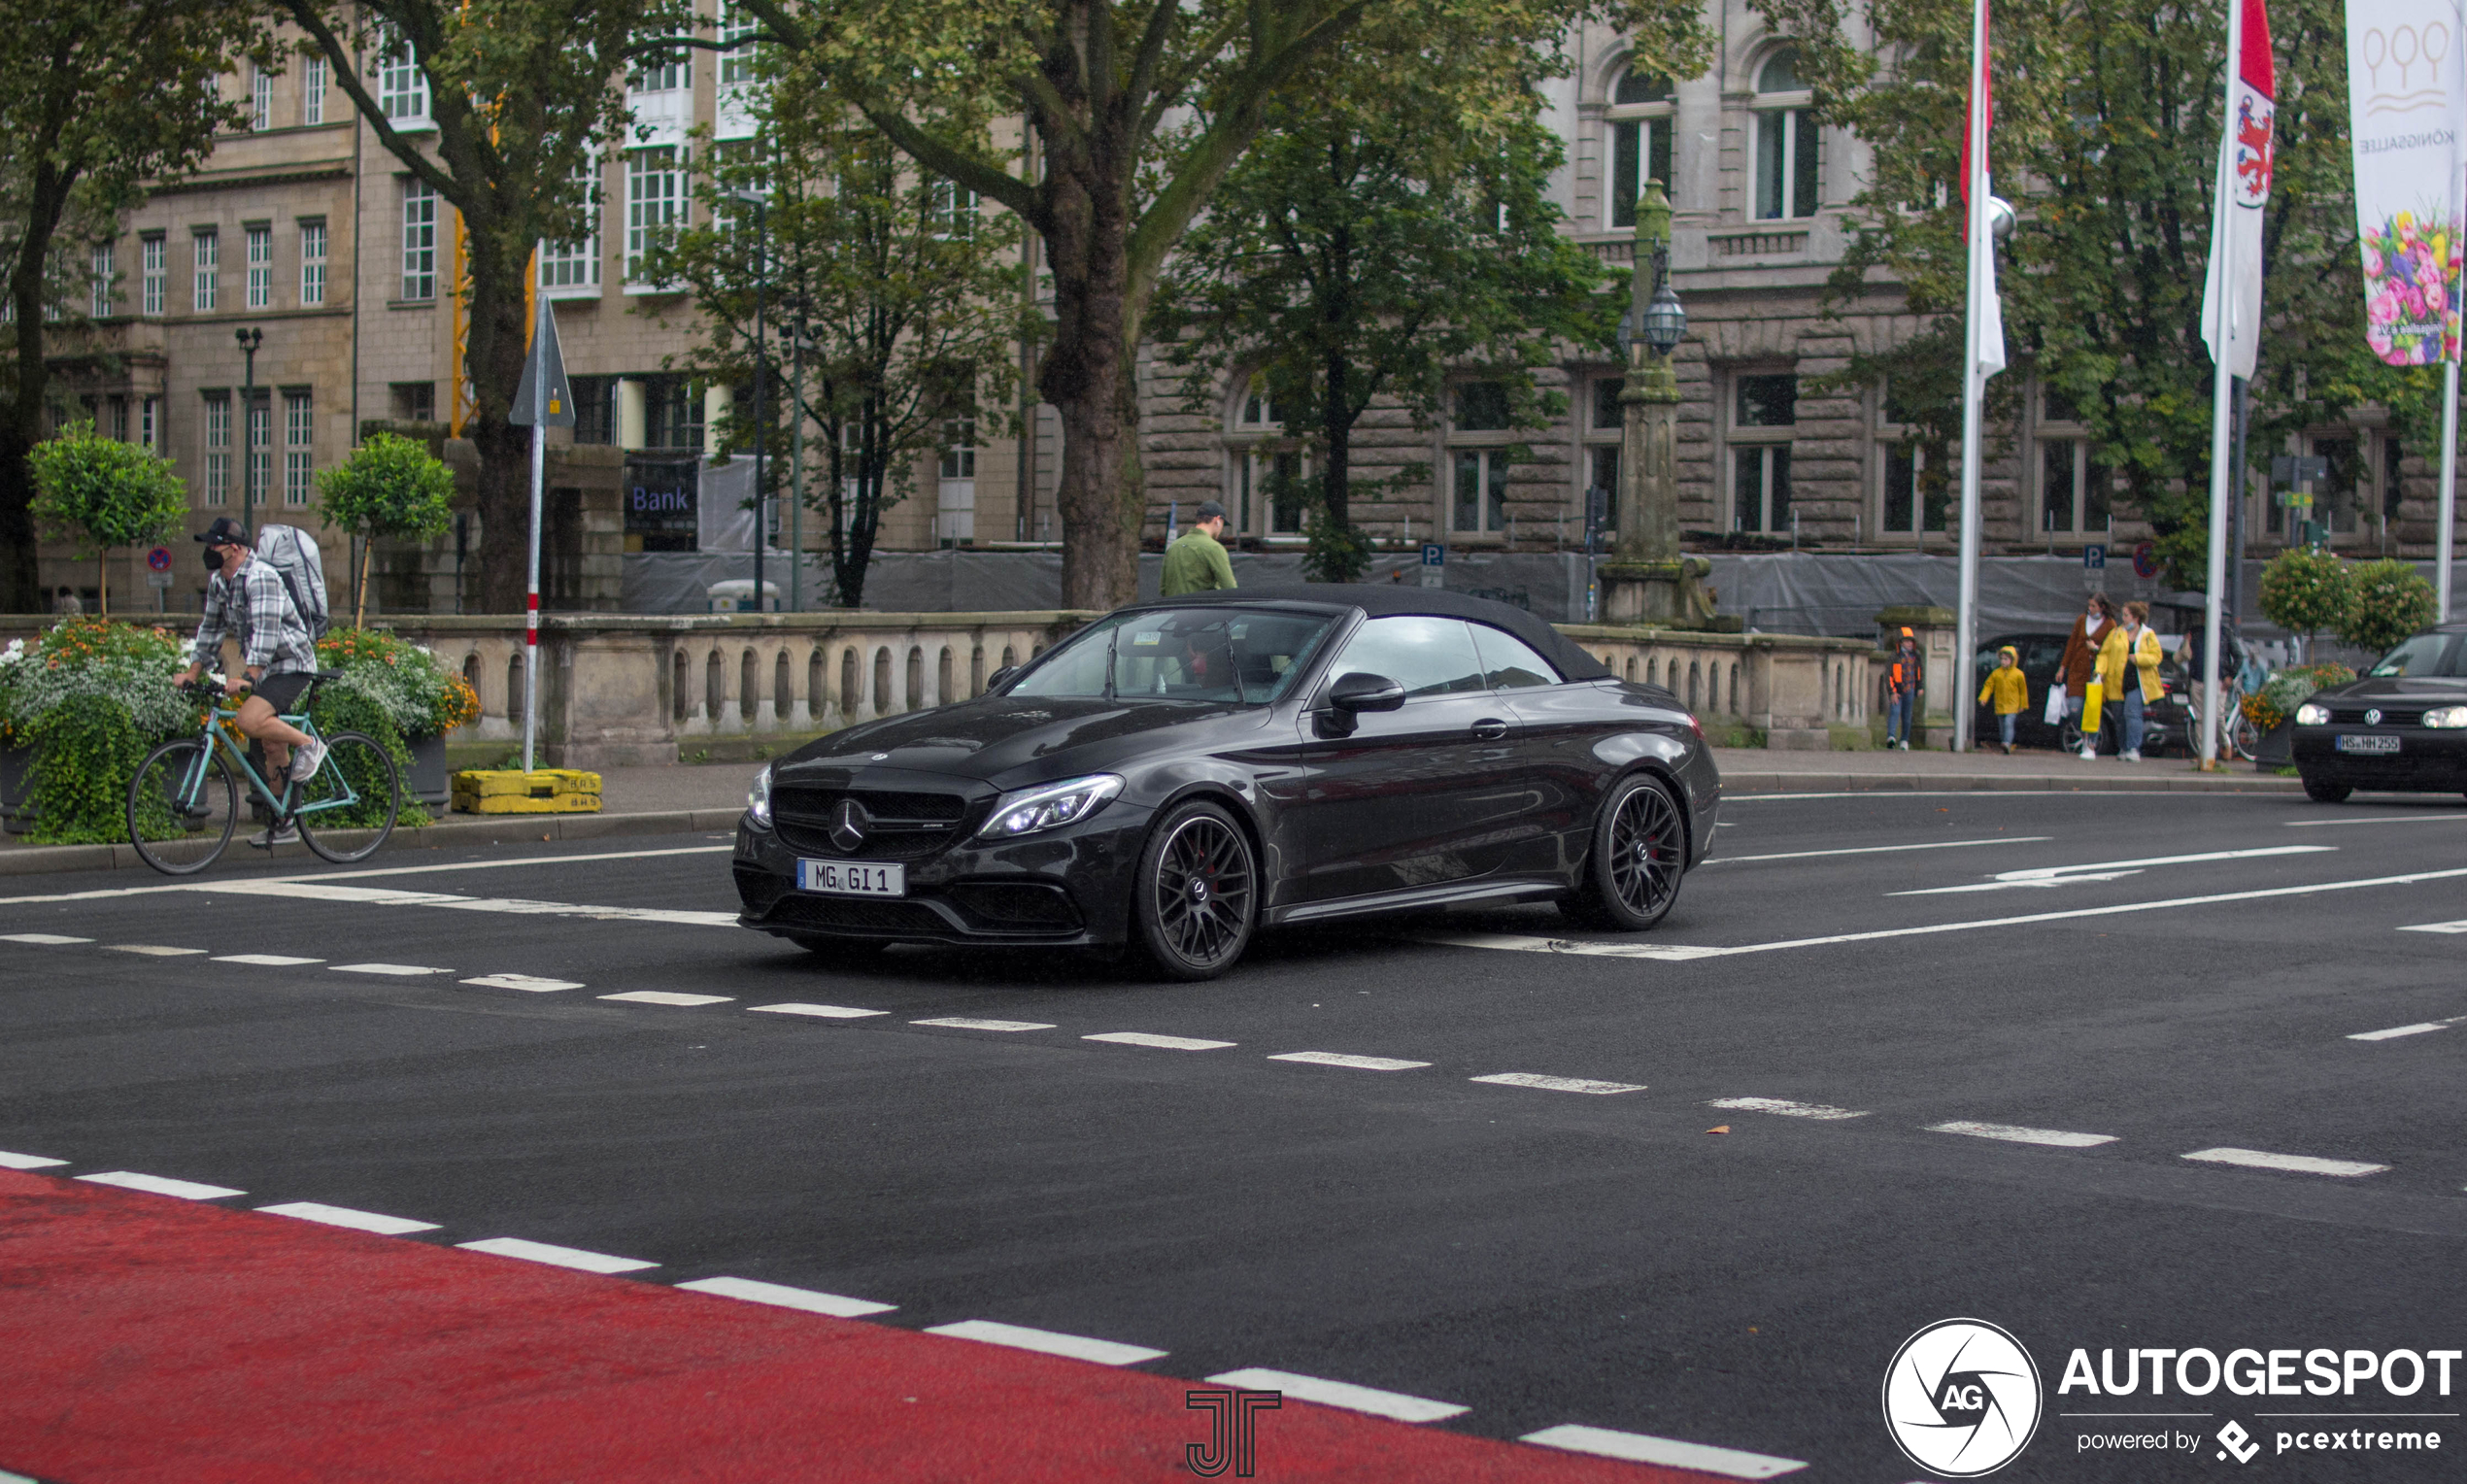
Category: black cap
[225,531]
[1210,510]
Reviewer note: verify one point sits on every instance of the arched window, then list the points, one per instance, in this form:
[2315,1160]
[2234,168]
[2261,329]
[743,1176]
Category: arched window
[1263,493]
[1786,185]
[1638,140]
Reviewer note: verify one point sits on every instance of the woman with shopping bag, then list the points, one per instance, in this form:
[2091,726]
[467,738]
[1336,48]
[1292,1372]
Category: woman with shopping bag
[2079,670]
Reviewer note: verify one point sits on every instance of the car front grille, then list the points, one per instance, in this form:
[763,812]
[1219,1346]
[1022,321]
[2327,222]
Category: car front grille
[856,914]
[1016,907]
[902,824]
[2353,716]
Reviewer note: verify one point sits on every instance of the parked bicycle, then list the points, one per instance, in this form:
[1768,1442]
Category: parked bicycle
[184,799]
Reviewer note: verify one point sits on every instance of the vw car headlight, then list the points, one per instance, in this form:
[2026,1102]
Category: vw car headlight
[757,797]
[1026,811]
[2310,715]
[2446,716]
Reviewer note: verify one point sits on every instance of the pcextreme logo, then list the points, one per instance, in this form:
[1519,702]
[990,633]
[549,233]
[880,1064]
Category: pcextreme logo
[1962,1398]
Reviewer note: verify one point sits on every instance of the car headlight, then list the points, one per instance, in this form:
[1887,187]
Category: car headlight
[757,797]
[1026,811]
[2310,715]
[2446,716]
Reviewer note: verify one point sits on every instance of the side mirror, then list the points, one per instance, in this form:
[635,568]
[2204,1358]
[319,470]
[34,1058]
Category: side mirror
[1353,695]
[1000,678]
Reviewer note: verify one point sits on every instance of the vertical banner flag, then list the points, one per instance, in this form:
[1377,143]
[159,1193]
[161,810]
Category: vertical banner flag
[2231,298]
[1986,328]
[2406,90]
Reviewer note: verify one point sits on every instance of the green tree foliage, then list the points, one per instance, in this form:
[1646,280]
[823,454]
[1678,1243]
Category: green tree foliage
[908,302]
[390,486]
[1137,110]
[1369,244]
[2305,591]
[106,98]
[2106,141]
[522,95]
[2388,601]
[105,494]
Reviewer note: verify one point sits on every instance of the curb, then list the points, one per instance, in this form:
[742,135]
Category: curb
[1989,783]
[491,829]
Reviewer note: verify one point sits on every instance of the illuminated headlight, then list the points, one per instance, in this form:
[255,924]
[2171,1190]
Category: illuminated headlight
[1026,811]
[2446,716]
[2310,715]
[757,797]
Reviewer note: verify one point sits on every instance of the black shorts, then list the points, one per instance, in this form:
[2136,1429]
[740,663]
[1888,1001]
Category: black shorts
[283,691]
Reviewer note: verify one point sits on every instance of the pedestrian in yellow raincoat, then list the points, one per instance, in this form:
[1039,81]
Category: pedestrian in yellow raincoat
[2010,689]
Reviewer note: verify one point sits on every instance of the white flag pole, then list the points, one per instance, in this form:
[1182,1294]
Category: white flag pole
[1974,381]
[2220,415]
[531,605]
[2450,490]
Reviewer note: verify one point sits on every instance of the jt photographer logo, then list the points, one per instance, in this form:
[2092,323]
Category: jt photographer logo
[1962,1398]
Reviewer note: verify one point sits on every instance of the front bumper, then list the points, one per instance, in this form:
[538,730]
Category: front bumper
[2428,760]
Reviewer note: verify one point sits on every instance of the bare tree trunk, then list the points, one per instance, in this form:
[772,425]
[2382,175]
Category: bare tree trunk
[494,358]
[21,569]
[359,586]
[103,582]
[1091,378]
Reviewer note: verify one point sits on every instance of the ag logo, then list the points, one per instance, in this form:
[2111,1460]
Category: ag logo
[1962,1398]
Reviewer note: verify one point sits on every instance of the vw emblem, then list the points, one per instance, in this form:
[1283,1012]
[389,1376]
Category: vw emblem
[2373,717]
[848,825]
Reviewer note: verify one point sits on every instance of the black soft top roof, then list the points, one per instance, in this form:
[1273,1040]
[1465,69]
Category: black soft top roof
[1381,599]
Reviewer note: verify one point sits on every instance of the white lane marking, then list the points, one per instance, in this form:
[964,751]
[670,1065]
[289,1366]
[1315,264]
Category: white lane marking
[389,896]
[1638,1448]
[41,939]
[780,1295]
[1985,796]
[10,1161]
[153,949]
[1640,951]
[1344,1394]
[528,982]
[156,1185]
[669,998]
[1880,850]
[396,971]
[2395,819]
[1104,1352]
[2395,1031]
[265,961]
[2457,927]
[1161,1043]
[964,1022]
[2014,1133]
[345,1216]
[555,1256]
[1558,1084]
[2109,870]
[2300,1164]
[1824,1111]
[1340,1059]
[824,1012]
[105,892]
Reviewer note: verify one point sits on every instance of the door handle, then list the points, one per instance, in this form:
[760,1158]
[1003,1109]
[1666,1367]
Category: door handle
[1490,729]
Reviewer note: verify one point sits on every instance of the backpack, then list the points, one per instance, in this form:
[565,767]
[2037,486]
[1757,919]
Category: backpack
[292,554]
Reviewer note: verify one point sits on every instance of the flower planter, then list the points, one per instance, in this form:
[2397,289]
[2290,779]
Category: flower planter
[2276,750]
[425,779]
[17,816]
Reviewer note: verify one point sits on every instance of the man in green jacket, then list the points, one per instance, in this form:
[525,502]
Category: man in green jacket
[1197,563]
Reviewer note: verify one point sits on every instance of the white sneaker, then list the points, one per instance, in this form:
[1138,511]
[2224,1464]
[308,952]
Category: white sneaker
[306,759]
[2089,754]
[2134,756]
[270,837]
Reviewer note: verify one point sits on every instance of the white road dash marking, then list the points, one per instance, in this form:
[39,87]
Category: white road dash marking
[103,894]
[822,1012]
[669,998]
[1667,953]
[780,1295]
[41,939]
[1880,850]
[1826,1112]
[2014,1133]
[2109,870]
[555,1256]
[1559,1084]
[2395,1031]
[527,982]
[265,961]
[154,950]
[1344,1394]
[2457,927]
[2395,819]
[1104,1352]
[345,1216]
[157,1185]
[2300,1164]
[10,1161]
[1340,1059]
[1161,1043]
[1638,1448]
[964,1022]
[396,971]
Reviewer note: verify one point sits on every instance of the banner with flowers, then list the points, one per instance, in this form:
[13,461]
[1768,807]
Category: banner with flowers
[2407,93]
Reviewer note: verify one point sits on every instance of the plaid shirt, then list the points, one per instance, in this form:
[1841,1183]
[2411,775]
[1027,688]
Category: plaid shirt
[257,607]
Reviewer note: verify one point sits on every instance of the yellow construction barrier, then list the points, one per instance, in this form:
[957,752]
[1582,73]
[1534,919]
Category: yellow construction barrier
[511,791]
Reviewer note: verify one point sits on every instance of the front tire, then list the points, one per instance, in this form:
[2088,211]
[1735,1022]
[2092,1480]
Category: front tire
[181,806]
[2323,792]
[1640,851]
[1197,894]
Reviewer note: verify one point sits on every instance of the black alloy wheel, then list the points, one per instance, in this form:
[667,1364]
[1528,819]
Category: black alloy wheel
[1198,893]
[1640,849]
[2323,792]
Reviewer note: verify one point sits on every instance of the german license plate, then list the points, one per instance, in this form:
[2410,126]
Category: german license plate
[851,878]
[2367,743]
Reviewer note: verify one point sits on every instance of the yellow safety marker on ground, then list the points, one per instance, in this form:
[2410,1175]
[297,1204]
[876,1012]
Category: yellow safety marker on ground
[511,791]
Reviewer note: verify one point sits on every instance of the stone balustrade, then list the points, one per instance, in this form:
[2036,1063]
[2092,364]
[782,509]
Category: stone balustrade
[1793,690]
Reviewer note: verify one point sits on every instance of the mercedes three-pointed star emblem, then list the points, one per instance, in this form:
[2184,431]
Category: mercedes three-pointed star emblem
[848,825]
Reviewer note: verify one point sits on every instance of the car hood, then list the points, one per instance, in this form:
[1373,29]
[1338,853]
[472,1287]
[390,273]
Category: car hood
[994,737]
[2416,691]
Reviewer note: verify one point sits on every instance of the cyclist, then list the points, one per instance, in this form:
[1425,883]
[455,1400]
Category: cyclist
[248,597]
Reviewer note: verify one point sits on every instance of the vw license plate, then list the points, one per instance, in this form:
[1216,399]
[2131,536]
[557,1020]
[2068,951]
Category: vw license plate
[2367,744]
[851,878]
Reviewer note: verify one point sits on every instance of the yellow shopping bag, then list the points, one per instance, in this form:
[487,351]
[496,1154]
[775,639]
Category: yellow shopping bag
[2090,701]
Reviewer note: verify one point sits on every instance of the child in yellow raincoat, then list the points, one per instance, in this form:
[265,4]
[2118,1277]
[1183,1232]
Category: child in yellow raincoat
[2010,689]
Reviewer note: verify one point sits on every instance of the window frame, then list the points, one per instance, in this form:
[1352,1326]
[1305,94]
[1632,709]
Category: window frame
[315,243]
[257,265]
[1786,118]
[1653,127]
[154,272]
[1487,451]
[215,429]
[418,281]
[1772,444]
[103,280]
[671,208]
[313,81]
[2051,431]
[299,445]
[205,250]
[402,86]
[571,270]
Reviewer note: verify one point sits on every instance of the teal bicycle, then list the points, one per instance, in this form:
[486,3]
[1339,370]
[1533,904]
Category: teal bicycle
[184,799]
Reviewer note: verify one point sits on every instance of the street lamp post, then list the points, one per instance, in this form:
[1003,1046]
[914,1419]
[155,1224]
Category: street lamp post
[1648,580]
[762,271]
[250,339]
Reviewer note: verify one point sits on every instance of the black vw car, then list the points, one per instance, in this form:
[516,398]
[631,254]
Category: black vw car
[2400,726]
[1181,773]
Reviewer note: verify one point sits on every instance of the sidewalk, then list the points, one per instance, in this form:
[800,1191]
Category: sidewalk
[1748,770]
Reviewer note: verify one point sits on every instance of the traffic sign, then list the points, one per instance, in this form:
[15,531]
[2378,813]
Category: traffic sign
[1433,565]
[158,559]
[2094,559]
[2146,564]
[158,578]
[544,385]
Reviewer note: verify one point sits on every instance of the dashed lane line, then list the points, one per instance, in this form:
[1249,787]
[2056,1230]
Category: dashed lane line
[781,1295]
[1558,1084]
[2457,926]
[525,982]
[1159,1042]
[555,1256]
[1396,1406]
[265,961]
[344,1216]
[10,1161]
[2298,1164]
[41,939]
[2395,1031]
[391,970]
[2014,1133]
[1639,1448]
[1821,1111]
[157,1185]
[103,894]
[2395,819]
[964,1023]
[669,998]
[1078,1347]
[1340,1059]
[155,950]
[1879,850]
[819,1012]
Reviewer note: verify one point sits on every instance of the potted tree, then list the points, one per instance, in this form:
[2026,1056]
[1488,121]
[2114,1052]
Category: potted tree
[2304,590]
[390,486]
[104,494]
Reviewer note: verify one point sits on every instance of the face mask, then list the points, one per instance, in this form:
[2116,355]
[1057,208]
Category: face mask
[212,556]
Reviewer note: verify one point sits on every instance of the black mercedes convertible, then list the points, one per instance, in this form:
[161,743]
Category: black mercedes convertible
[1182,773]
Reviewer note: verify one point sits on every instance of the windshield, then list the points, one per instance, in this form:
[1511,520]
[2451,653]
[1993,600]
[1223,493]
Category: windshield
[1225,655]
[2419,656]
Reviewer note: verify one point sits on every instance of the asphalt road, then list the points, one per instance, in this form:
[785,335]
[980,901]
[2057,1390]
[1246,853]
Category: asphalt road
[2171,975]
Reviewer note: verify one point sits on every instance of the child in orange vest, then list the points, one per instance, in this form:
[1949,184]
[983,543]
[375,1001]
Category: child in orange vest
[2010,689]
[1902,686]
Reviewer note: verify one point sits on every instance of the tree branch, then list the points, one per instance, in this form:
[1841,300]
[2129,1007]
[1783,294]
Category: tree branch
[346,71]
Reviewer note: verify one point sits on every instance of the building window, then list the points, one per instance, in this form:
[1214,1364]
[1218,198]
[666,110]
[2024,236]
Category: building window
[412,401]
[152,273]
[312,263]
[120,419]
[420,239]
[257,288]
[313,91]
[576,264]
[1913,498]
[1266,494]
[2073,492]
[402,89]
[1764,412]
[1477,458]
[737,36]
[260,100]
[1605,424]
[672,410]
[150,424]
[257,488]
[595,409]
[654,203]
[1785,141]
[299,436]
[954,493]
[1639,140]
[209,255]
[668,72]
[953,210]
[958,447]
[104,282]
[217,491]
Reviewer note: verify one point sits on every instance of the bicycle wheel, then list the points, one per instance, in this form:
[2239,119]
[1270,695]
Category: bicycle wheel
[181,806]
[346,811]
